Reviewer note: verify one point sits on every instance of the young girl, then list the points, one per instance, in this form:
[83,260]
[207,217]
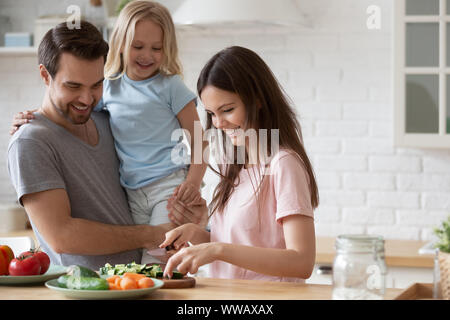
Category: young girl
[262,211]
[147,102]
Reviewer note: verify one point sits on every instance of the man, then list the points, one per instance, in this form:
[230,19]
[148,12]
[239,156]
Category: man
[64,167]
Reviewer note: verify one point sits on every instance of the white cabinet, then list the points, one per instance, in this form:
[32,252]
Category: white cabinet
[422,73]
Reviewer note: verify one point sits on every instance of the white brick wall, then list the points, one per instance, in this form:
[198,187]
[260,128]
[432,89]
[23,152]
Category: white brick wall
[338,74]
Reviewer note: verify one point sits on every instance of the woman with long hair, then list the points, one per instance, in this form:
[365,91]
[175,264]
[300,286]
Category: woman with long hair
[262,224]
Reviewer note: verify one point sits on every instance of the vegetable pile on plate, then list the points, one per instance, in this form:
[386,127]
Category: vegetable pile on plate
[129,281]
[154,271]
[81,278]
[29,263]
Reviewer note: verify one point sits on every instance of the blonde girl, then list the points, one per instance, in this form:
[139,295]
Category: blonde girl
[262,224]
[148,101]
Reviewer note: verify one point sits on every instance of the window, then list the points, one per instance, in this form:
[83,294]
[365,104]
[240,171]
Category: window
[422,73]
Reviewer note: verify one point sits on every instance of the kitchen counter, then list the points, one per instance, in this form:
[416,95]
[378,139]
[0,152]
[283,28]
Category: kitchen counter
[205,289]
[398,253]
[405,264]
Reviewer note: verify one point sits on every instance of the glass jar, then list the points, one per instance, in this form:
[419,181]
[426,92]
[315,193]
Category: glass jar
[359,269]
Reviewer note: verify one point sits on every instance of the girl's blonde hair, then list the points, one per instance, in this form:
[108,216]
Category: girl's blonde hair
[123,34]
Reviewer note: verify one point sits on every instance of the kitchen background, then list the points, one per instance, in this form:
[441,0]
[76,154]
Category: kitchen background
[338,72]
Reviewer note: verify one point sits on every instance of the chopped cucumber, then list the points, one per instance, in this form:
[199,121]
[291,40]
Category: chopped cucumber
[154,271]
[80,271]
[82,278]
[62,281]
[177,275]
[86,283]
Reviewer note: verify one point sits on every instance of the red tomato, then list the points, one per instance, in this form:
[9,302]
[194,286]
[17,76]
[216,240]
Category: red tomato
[43,258]
[6,255]
[25,266]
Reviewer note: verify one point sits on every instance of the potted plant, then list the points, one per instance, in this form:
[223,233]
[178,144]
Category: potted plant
[443,244]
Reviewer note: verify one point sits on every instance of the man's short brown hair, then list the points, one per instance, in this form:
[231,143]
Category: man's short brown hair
[85,42]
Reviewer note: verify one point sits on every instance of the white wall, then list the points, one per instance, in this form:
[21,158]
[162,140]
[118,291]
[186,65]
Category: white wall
[339,75]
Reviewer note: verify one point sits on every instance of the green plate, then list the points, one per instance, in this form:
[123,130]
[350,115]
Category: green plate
[103,294]
[53,272]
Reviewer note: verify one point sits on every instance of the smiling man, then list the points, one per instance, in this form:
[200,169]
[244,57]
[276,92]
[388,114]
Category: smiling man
[63,164]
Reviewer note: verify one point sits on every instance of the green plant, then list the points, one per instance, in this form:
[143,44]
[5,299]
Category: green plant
[122,4]
[443,234]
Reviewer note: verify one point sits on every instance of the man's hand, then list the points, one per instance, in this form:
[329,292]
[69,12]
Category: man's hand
[187,193]
[20,119]
[50,212]
[180,213]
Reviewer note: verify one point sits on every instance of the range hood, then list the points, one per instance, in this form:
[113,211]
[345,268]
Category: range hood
[238,12]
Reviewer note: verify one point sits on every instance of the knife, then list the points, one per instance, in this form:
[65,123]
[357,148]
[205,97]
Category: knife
[161,251]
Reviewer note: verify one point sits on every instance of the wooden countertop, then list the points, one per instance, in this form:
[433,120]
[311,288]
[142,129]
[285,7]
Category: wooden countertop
[205,289]
[398,253]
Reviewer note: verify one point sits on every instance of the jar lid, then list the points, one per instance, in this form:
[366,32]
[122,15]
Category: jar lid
[360,243]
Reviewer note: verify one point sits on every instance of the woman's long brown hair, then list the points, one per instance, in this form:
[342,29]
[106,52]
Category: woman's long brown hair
[243,72]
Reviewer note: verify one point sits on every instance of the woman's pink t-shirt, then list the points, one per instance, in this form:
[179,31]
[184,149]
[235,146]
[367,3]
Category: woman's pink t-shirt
[284,192]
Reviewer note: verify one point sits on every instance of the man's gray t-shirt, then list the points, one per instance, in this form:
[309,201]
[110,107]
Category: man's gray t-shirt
[43,156]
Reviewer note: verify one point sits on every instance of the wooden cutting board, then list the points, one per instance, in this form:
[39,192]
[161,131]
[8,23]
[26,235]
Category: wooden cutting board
[186,282]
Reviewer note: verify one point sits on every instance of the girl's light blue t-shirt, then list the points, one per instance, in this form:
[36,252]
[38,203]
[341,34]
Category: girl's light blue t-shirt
[143,116]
